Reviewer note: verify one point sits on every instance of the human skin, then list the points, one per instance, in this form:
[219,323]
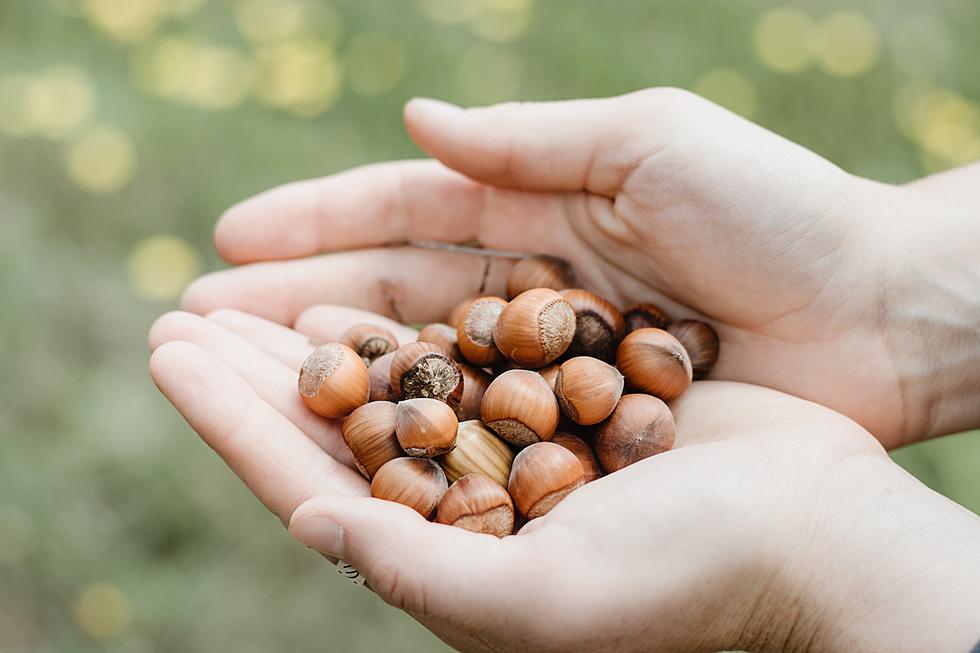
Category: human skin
[774,524]
[857,295]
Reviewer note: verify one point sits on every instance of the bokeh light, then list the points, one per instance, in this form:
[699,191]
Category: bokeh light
[102,611]
[945,124]
[489,74]
[729,88]
[15,115]
[268,21]
[300,76]
[782,39]
[127,21]
[60,100]
[101,160]
[500,20]
[200,74]
[182,8]
[374,63]
[846,44]
[160,267]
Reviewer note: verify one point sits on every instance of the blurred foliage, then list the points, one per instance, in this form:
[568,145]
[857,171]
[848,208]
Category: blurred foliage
[126,126]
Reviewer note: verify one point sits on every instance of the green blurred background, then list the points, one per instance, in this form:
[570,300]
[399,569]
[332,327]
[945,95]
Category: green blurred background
[126,126]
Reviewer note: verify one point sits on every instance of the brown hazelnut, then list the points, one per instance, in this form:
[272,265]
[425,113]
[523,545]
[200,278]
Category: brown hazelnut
[333,380]
[369,432]
[549,374]
[443,335]
[543,474]
[425,427]
[582,451]
[421,369]
[645,316]
[539,271]
[418,483]
[640,427]
[478,451]
[653,361]
[701,342]
[588,389]
[475,384]
[535,328]
[477,504]
[520,407]
[456,314]
[599,325]
[369,341]
[379,375]
[474,333]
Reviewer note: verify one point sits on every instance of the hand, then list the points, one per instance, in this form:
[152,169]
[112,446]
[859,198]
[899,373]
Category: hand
[811,276]
[774,524]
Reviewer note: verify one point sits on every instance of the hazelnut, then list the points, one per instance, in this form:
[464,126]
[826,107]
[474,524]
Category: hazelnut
[418,483]
[640,427]
[543,474]
[520,407]
[549,374]
[425,427]
[582,451]
[644,316]
[539,271]
[474,332]
[333,381]
[456,314]
[599,325]
[654,362]
[478,451]
[442,335]
[535,328]
[369,341]
[588,389]
[379,376]
[369,432]
[701,342]
[477,504]
[421,369]
[475,384]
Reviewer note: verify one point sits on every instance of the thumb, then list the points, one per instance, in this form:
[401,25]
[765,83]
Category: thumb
[575,145]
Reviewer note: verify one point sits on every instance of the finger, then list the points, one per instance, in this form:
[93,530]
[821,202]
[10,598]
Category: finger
[406,284]
[287,346]
[280,465]
[327,323]
[272,381]
[559,146]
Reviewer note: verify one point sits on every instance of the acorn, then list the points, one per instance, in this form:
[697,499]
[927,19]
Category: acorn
[418,483]
[478,451]
[645,316]
[444,336]
[582,451]
[701,342]
[599,325]
[423,370]
[588,389]
[474,333]
[520,407]
[655,362]
[425,427]
[478,504]
[542,475]
[535,328]
[369,341]
[333,381]
[369,433]
[539,271]
[379,377]
[640,427]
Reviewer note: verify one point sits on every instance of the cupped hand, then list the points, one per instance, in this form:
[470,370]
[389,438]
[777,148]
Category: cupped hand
[773,524]
[654,196]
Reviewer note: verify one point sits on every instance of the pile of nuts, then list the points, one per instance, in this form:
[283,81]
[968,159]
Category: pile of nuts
[510,403]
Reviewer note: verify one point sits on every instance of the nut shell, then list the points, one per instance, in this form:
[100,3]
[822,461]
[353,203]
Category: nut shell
[478,504]
[379,377]
[443,335]
[655,362]
[520,407]
[475,384]
[549,374]
[599,325]
[588,389]
[456,314]
[334,381]
[474,333]
[423,370]
[369,433]
[543,474]
[535,328]
[701,342]
[478,451]
[582,451]
[539,271]
[425,427]
[418,483]
[640,427]
[369,341]
[645,316]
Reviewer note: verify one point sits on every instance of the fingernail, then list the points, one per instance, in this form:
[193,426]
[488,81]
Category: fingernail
[434,107]
[320,533]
